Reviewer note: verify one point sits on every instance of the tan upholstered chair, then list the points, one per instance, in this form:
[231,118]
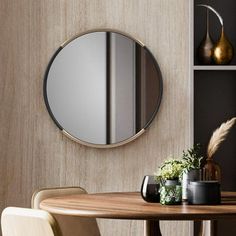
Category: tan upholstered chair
[69,225]
[28,222]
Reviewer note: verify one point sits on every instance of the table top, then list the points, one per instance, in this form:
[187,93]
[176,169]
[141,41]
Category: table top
[130,205]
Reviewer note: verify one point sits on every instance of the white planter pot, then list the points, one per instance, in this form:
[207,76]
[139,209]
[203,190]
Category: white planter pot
[192,175]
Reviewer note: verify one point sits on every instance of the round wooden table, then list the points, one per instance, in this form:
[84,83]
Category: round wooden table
[130,205]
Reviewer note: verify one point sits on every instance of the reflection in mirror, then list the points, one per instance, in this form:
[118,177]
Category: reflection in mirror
[103,88]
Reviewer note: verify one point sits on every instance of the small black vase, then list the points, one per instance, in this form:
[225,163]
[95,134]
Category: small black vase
[150,189]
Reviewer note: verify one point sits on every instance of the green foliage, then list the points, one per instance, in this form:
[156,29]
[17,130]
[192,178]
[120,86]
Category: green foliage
[191,159]
[171,169]
[174,168]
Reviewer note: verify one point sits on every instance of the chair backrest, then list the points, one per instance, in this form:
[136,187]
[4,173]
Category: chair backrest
[42,194]
[69,225]
[17,221]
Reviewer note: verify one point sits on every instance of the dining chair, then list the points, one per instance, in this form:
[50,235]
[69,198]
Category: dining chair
[17,221]
[69,225]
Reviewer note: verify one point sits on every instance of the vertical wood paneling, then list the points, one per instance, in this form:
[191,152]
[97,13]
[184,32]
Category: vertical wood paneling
[33,153]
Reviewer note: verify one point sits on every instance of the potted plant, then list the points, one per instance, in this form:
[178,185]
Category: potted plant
[191,164]
[168,177]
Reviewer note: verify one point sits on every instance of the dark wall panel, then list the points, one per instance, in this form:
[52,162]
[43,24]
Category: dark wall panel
[214,103]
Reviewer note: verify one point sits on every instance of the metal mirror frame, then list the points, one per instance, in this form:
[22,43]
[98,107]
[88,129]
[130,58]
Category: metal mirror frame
[77,139]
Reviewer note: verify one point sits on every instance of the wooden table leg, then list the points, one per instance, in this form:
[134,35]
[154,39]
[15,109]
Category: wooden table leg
[198,228]
[213,228]
[152,228]
[205,228]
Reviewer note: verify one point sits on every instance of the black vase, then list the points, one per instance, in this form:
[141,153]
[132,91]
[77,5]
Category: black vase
[205,49]
[150,189]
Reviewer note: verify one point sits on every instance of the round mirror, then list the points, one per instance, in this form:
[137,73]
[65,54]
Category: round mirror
[103,88]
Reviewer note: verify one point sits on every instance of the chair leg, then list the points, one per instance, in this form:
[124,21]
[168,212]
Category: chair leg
[152,228]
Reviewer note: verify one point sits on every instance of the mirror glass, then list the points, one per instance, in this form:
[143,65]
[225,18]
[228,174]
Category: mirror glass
[102,88]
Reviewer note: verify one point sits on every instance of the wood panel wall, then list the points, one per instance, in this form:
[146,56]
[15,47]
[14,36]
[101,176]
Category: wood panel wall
[33,152]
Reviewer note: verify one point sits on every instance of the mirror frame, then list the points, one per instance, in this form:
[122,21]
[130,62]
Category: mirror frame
[77,139]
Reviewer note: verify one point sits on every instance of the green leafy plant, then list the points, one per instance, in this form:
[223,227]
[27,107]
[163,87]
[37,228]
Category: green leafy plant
[191,159]
[173,169]
[170,170]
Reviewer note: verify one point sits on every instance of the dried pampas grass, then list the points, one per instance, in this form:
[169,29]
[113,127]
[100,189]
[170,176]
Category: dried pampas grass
[219,136]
